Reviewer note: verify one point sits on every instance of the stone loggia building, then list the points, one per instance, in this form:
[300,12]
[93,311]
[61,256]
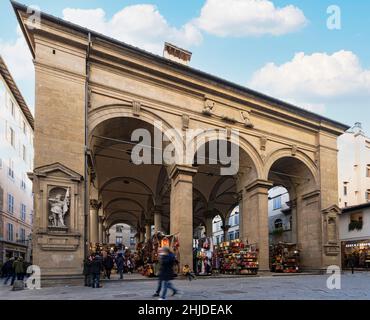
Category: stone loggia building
[92,92]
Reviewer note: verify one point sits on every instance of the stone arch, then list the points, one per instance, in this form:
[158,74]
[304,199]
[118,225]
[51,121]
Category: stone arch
[111,111]
[287,153]
[118,221]
[126,212]
[244,145]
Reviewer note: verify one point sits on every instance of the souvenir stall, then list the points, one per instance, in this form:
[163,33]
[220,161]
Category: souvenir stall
[284,257]
[204,252]
[150,253]
[237,258]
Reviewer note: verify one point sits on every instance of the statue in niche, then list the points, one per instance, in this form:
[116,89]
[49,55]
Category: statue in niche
[59,206]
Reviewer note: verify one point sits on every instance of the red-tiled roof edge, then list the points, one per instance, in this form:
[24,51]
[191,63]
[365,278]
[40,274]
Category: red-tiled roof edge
[16,93]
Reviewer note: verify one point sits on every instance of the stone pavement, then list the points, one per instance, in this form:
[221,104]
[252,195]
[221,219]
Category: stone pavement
[301,287]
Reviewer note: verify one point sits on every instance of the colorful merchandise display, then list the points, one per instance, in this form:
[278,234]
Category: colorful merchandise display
[149,252]
[284,257]
[237,258]
[204,252]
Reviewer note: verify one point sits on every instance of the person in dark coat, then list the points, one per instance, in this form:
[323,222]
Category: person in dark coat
[167,260]
[8,271]
[18,266]
[108,265]
[351,263]
[87,272]
[96,269]
[120,263]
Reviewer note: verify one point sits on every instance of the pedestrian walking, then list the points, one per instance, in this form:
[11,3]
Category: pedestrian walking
[87,271]
[8,271]
[96,269]
[167,260]
[120,263]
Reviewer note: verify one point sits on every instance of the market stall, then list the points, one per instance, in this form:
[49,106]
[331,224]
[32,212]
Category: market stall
[284,257]
[203,250]
[237,258]
[149,252]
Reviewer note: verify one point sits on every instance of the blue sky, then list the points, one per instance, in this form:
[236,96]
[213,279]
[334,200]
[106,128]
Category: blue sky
[330,75]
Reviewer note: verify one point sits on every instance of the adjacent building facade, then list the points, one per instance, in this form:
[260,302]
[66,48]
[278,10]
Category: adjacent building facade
[354,196]
[354,231]
[122,234]
[16,160]
[354,167]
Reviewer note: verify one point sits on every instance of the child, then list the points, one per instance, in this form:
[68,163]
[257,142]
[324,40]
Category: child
[186,272]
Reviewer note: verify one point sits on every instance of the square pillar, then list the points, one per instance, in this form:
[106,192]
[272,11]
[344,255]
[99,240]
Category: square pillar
[255,226]
[181,219]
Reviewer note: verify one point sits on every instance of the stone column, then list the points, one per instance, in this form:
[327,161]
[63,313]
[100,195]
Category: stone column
[209,223]
[255,219]
[157,219]
[94,220]
[148,230]
[107,234]
[225,229]
[181,219]
[142,234]
[101,230]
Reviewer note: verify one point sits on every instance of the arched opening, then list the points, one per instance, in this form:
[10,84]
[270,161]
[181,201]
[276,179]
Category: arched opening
[128,175]
[280,216]
[122,235]
[216,193]
[294,215]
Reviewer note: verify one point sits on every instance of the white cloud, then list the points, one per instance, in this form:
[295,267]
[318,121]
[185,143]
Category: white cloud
[18,58]
[240,18]
[314,80]
[140,25]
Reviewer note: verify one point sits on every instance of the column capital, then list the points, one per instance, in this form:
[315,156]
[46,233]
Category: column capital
[292,203]
[157,209]
[95,204]
[259,184]
[185,170]
[225,228]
